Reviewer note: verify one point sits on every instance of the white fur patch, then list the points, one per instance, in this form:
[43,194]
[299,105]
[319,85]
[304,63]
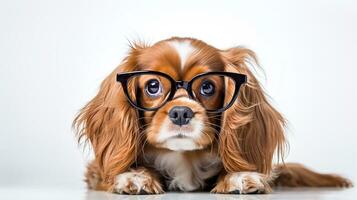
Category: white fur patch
[167,133]
[174,165]
[237,182]
[184,50]
[136,178]
[183,174]
[181,144]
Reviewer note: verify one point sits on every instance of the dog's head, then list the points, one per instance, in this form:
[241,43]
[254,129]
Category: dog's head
[182,94]
[180,87]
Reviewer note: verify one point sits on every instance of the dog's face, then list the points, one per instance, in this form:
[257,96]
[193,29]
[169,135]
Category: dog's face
[182,123]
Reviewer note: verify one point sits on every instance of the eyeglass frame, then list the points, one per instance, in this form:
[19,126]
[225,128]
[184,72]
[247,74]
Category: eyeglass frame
[239,80]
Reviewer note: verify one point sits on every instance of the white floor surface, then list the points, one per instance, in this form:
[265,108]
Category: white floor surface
[51,193]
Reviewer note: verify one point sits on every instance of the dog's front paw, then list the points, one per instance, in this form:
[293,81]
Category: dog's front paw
[138,181]
[243,183]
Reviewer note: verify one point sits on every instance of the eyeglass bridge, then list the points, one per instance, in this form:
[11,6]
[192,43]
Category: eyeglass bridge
[181,84]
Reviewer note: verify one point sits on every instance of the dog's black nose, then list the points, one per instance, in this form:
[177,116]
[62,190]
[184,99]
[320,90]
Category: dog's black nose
[180,115]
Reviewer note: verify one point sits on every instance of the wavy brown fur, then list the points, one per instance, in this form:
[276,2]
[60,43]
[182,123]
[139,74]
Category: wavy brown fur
[105,122]
[297,175]
[252,128]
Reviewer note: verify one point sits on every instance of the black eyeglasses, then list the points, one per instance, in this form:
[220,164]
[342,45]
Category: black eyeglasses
[150,90]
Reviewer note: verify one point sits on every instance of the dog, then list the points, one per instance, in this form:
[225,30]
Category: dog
[183,115]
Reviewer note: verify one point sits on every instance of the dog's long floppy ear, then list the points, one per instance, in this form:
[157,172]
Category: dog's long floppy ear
[110,124]
[252,130]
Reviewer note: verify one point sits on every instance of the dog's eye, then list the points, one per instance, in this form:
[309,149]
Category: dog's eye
[207,88]
[153,88]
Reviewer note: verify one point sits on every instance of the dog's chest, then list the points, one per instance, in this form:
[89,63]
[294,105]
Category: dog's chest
[182,171]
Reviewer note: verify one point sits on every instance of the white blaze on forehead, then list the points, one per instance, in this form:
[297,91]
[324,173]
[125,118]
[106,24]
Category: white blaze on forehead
[184,49]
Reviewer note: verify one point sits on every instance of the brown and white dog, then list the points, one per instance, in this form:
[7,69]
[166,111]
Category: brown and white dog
[147,152]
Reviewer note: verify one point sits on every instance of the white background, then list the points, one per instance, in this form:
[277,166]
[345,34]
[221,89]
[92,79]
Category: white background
[54,54]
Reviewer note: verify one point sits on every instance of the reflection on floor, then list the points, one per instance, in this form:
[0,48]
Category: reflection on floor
[39,193]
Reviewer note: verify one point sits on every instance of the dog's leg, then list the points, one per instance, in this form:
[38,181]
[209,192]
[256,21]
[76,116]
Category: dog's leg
[134,181]
[243,183]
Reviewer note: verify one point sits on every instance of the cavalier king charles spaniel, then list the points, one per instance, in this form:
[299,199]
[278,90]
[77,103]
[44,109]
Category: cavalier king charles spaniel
[183,115]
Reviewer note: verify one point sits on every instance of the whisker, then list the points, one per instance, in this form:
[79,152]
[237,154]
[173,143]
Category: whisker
[215,115]
[211,141]
[140,136]
[144,117]
[145,125]
[211,128]
[212,124]
[217,118]
[143,146]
